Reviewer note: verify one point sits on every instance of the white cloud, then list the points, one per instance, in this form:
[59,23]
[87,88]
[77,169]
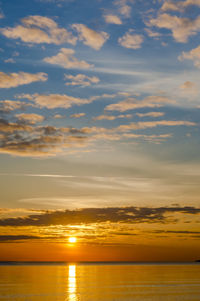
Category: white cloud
[81,80]
[65,58]
[193,55]
[78,115]
[189,89]
[112,19]
[30,118]
[11,105]
[182,28]
[10,60]
[39,29]
[1,14]
[123,8]
[10,80]
[131,40]
[91,37]
[133,103]
[152,124]
[111,117]
[53,101]
[178,5]
[150,114]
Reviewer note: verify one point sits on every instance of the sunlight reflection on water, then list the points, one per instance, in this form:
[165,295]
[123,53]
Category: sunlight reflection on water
[72,283]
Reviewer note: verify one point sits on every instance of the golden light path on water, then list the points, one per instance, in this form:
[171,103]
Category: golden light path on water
[72,283]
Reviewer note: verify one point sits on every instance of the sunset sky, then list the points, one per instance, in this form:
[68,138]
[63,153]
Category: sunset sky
[99,130]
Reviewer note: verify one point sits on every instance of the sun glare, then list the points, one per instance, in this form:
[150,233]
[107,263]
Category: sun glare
[72,240]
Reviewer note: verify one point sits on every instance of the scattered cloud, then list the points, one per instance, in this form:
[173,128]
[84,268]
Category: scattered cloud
[1,14]
[10,60]
[170,5]
[153,124]
[22,139]
[189,89]
[133,103]
[150,114]
[53,101]
[152,34]
[91,37]
[131,40]
[37,30]
[30,118]
[112,19]
[65,58]
[78,115]
[81,80]
[112,117]
[11,105]
[123,8]
[182,28]
[58,116]
[193,55]
[10,80]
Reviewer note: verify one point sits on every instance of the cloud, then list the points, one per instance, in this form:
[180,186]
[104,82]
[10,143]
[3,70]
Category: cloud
[178,5]
[150,138]
[81,80]
[10,60]
[182,28]
[111,117]
[123,8]
[131,40]
[1,14]
[11,105]
[189,89]
[53,101]
[133,103]
[112,19]
[153,124]
[11,127]
[193,55]
[10,80]
[152,33]
[91,37]
[129,215]
[150,114]
[11,238]
[25,140]
[77,115]
[30,118]
[39,29]
[65,58]
[58,116]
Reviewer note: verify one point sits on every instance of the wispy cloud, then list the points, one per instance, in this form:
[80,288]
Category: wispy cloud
[133,103]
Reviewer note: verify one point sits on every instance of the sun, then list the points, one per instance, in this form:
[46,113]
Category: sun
[72,240]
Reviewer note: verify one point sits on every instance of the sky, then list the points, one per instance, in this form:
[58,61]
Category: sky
[99,130]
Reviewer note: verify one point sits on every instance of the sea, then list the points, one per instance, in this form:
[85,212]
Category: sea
[100,281]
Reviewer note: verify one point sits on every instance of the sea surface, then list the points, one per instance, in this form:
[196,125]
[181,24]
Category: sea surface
[95,282]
